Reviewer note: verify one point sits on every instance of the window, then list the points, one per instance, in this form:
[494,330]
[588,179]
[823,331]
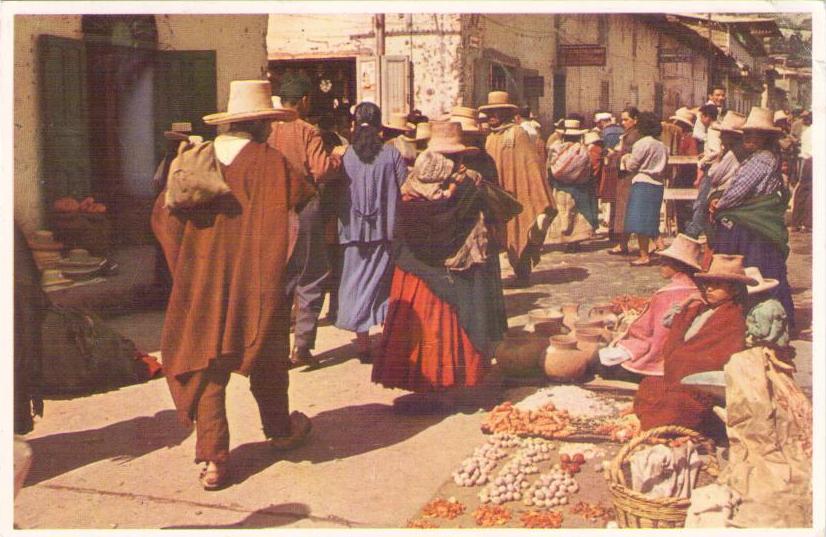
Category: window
[498,78]
[605,96]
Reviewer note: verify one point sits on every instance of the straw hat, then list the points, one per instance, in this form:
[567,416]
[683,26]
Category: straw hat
[726,268]
[780,115]
[43,239]
[571,127]
[398,122]
[80,258]
[763,284]
[602,116]
[591,137]
[761,120]
[179,131]
[53,278]
[466,117]
[498,99]
[422,133]
[686,250]
[685,116]
[446,138]
[249,100]
[732,122]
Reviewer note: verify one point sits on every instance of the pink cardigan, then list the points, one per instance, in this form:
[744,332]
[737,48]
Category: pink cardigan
[646,336]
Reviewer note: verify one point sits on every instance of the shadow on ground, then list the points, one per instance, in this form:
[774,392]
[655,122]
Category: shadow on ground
[61,453]
[337,434]
[519,303]
[559,275]
[271,517]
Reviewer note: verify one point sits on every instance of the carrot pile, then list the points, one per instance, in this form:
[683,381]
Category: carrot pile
[545,422]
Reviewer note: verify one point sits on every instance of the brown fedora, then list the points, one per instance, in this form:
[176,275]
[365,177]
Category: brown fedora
[446,138]
[686,250]
[249,100]
[498,99]
[726,267]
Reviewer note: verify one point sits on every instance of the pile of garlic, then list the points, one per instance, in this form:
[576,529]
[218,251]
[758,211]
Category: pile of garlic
[511,482]
[551,489]
[476,469]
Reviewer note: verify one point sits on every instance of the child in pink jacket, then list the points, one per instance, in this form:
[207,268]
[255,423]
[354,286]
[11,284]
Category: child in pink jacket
[638,352]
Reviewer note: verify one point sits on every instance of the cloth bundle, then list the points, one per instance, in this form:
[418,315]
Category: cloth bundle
[428,177]
[195,176]
[570,163]
[666,472]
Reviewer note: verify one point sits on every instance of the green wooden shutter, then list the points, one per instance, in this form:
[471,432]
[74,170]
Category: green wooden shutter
[64,126]
[185,90]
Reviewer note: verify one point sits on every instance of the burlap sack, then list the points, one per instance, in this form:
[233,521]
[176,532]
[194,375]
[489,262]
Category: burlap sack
[194,176]
[769,426]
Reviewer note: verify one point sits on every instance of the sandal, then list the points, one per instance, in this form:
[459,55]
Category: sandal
[618,251]
[641,262]
[214,475]
[300,428]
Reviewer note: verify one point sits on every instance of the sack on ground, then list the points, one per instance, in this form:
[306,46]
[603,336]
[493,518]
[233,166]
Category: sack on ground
[194,177]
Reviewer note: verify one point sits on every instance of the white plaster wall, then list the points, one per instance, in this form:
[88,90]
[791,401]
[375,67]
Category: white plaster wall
[28,205]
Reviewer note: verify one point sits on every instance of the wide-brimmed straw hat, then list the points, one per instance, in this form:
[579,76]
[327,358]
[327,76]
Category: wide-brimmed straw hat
[498,99]
[686,250]
[731,122]
[43,239]
[179,131]
[80,258]
[423,130]
[398,122]
[249,100]
[726,267]
[685,116]
[446,138]
[571,127]
[53,278]
[466,117]
[591,137]
[763,284]
[761,120]
[780,115]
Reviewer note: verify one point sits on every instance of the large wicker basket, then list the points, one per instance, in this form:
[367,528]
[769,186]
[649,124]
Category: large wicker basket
[637,510]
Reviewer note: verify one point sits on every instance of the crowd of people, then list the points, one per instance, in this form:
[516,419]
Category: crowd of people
[403,222]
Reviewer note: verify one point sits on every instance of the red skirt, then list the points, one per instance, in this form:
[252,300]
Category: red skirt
[424,348]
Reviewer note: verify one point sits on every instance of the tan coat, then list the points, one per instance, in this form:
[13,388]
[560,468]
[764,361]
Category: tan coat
[522,174]
[227,261]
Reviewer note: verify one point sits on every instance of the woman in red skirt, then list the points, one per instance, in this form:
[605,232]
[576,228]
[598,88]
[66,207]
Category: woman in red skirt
[446,310]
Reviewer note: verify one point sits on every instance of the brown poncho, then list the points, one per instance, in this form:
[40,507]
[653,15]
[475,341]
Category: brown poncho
[227,260]
[522,174]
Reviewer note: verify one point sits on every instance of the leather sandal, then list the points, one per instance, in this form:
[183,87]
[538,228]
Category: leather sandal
[618,251]
[300,428]
[214,475]
[641,262]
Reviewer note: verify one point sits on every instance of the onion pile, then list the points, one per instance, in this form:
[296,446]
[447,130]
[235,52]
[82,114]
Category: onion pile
[511,482]
[535,450]
[551,489]
[476,469]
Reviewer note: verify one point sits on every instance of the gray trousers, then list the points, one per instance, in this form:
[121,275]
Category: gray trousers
[307,272]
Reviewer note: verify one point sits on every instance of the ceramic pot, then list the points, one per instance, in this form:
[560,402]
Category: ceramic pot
[590,340]
[563,360]
[605,313]
[587,324]
[546,322]
[570,315]
[518,354]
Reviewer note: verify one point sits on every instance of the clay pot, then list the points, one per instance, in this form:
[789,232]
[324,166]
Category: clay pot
[518,354]
[604,313]
[587,325]
[545,322]
[563,360]
[590,340]
[570,315]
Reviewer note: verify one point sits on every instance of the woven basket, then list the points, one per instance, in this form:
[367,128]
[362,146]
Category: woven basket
[637,510]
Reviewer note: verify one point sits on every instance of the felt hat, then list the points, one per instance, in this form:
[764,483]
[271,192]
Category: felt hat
[446,138]
[53,278]
[179,131]
[498,99]
[571,127]
[422,133]
[602,116]
[43,239]
[686,250]
[80,258]
[731,122]
[591,137]
[249,100]
[466,117]
[780,115]
[725,267]
[763,284]
[685,116]
[761,120]
[398,122]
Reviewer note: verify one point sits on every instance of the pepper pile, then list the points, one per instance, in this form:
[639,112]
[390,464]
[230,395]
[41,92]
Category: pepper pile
[625,303]
[592,511]
[541,519]
[489,516]
[441,508]
[421,523]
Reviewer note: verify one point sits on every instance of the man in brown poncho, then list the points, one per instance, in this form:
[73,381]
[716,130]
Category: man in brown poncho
[522,174]
[227,310]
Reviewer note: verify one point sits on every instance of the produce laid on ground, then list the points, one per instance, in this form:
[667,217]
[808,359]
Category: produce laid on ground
[625,303]
[546,422]
[421,523]
[541,519]
[551,489]
[441,508]
[593,512]
[489,516]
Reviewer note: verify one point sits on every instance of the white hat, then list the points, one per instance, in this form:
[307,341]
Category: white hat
[763,284]
[602,116]
[249,100]
[684,115]
[571,127]
[591,137]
